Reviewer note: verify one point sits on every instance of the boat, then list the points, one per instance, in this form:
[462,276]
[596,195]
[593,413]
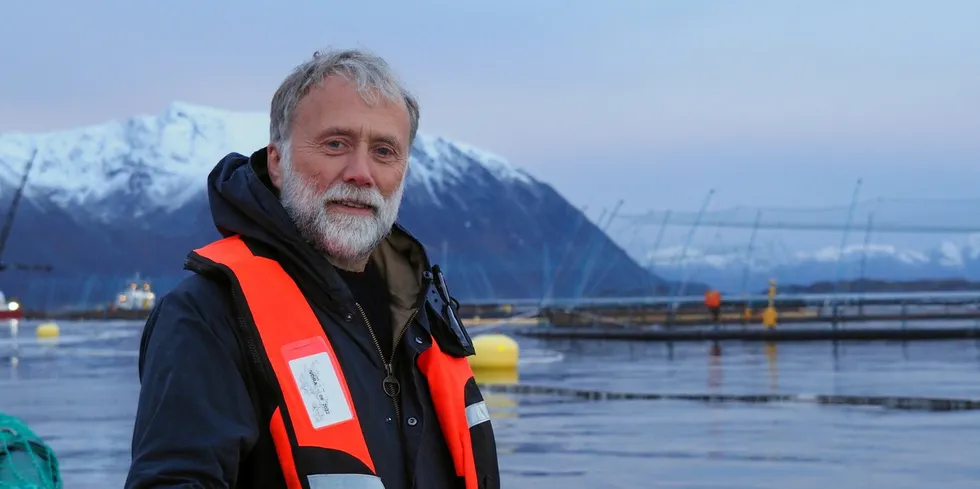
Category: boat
[11,309]
[135,297]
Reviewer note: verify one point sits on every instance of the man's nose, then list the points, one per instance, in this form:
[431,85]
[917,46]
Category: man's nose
[358,169]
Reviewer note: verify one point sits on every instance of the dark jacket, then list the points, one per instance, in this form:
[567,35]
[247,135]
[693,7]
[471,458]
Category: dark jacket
[203,421]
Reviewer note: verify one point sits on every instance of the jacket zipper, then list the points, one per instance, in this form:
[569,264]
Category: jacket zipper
[389,363]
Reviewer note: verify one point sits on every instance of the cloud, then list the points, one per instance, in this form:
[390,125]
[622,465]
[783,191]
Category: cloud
[548,82]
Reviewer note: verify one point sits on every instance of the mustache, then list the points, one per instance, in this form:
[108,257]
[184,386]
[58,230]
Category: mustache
[345,192]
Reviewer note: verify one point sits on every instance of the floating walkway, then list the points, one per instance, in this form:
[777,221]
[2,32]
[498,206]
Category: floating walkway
[778,334]
[888,402]
[898,318]
[657,314]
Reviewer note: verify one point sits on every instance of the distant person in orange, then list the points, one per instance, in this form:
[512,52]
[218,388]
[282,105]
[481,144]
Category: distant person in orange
[712,300]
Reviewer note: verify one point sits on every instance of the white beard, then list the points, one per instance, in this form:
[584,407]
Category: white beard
[345,237]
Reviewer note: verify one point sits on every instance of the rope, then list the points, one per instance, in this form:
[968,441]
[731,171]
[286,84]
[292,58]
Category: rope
[26,462]
[888,402]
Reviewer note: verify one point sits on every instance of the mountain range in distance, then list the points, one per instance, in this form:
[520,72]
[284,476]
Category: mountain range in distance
[109,201]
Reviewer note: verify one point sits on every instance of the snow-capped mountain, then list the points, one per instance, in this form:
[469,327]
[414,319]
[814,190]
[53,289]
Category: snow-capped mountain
[731,268]
[106,201]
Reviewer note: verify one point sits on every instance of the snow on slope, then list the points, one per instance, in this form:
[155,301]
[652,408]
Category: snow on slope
[947,255]
[162,160]
[436,163]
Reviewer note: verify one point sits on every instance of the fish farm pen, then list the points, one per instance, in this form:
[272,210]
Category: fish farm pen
[795,318]
[796,309]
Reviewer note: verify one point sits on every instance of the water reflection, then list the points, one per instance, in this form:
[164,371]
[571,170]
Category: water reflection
[14,326]
[500,404]
[847,368]
[24,352]
[773,367]
[715,370]
[81,396]
[716,366]
[505,376]
[503,407]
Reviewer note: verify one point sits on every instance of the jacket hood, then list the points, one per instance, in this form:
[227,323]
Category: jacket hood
[244,202]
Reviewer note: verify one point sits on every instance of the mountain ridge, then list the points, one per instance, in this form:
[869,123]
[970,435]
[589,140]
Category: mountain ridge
[881,264]
[130,195]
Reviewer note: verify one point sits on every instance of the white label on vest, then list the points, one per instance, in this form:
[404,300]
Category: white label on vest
[320,388]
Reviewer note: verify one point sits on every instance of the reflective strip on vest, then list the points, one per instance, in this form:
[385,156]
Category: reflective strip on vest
[317,410]
[344,481]
[477,413]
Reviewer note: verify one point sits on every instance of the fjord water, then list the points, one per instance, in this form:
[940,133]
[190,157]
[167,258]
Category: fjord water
[80,395]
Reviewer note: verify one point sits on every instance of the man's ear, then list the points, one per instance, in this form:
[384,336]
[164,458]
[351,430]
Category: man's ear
[274,165]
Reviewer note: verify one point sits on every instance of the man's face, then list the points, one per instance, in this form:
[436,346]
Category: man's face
[343,177]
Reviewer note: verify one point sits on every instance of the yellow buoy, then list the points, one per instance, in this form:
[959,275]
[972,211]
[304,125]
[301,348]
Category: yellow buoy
[48,330]
[494,351]
[769,317]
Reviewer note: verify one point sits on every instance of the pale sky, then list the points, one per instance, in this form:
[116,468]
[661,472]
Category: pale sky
[769,101]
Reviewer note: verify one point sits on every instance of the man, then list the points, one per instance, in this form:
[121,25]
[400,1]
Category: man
[314,347]
[712,300]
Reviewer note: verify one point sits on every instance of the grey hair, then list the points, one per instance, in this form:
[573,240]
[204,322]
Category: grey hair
[369,73]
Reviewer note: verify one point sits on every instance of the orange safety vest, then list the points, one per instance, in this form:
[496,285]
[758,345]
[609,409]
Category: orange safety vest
[315,409]
[712,298]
